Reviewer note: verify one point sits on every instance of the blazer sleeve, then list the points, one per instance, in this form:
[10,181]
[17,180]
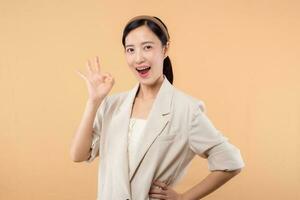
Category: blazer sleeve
[96,132]
[208,142]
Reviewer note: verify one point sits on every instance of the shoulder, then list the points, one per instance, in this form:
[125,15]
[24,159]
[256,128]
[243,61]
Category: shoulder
[114,100]
[111,102]
[190,102]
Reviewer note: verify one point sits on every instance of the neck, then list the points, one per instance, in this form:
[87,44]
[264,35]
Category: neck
[147,92]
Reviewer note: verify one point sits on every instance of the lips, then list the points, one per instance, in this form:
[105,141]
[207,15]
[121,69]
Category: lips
[143,69]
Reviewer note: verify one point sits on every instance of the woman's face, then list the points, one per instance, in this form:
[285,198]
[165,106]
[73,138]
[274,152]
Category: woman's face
[145,55]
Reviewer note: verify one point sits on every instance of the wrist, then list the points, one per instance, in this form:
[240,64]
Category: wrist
[182,197]
[94,102]
[186,196]
[93,105]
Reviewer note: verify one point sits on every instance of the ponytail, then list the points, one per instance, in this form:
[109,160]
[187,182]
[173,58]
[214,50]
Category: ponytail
[167,69]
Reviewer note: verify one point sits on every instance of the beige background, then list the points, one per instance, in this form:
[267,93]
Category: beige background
[240,57]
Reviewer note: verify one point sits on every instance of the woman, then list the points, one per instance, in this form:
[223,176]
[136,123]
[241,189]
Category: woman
[146,137]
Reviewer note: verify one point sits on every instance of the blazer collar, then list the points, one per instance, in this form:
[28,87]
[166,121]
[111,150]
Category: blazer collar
[162,101]
[156,121]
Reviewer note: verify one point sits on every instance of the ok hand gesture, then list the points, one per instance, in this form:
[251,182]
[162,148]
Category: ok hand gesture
[98,83]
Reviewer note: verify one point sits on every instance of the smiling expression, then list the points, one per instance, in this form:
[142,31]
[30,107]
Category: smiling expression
[145,55]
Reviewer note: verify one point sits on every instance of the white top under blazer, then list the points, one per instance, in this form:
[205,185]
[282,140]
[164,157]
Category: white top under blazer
[135,136]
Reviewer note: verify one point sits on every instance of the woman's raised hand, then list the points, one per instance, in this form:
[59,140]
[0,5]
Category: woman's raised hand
[98,83]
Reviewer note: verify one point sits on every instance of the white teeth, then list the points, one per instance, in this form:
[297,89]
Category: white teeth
[142,68]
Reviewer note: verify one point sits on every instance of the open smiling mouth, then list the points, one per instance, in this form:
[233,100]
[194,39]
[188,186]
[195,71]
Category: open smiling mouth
[143,71]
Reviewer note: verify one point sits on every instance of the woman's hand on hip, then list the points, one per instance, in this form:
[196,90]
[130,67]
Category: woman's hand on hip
[160,190]
[98,83]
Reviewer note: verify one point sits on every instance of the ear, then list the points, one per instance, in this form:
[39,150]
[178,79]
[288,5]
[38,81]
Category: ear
[166,49]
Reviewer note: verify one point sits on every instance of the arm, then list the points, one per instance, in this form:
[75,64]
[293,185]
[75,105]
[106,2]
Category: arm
[209,184]
[224,159]
[81,143]
[87,136]
[212,182]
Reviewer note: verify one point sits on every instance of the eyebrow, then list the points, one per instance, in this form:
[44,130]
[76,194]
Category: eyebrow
[131,45]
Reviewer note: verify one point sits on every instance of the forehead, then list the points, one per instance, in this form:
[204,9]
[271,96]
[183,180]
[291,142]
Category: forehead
[139,35]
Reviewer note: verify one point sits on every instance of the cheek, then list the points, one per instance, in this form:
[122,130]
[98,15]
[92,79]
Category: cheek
[152,57]
[158,61]
[129,60]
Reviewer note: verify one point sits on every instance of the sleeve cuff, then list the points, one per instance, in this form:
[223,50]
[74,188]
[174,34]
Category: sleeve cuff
[225,156]
[94,150]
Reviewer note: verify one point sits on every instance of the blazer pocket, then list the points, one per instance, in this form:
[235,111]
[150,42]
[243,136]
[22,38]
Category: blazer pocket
[166,137]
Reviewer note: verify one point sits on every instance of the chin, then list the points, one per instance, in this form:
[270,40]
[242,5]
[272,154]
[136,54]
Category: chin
[149,81]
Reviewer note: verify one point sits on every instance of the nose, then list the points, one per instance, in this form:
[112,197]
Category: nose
[139,56]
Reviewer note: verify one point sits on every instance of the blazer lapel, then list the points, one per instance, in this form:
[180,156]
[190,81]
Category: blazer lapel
[157,120]
[119,139]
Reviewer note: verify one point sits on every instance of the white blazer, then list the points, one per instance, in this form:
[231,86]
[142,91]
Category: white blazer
[177,129]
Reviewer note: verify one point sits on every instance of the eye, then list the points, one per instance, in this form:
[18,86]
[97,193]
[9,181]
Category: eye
[129,50]
[148,47]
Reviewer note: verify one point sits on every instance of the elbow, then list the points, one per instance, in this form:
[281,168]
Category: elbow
[73,156]
[76,158]
[235,172]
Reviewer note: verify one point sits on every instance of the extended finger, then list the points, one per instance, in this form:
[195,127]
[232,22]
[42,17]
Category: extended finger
[97,64]
[89,67]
